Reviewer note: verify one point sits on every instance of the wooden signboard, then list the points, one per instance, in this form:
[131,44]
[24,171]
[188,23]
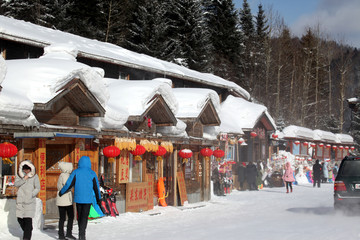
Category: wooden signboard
[150,182]
[42,172]
[137,197]
[124,167]
[182,187]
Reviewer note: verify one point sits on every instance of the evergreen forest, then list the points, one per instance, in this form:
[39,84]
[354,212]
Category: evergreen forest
[302,80]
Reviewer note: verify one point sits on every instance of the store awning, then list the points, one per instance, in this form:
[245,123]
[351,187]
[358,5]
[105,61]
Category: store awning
[51,135]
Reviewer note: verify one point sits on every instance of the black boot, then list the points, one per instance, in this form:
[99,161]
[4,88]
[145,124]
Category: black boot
[70,236]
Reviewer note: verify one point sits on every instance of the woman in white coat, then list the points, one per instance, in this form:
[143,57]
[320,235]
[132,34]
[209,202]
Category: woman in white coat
[28,184]
[65,202]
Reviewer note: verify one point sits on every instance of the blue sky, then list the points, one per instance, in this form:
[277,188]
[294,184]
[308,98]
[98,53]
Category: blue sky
[340,19]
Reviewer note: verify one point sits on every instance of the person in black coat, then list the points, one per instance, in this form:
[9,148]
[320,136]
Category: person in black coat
[242,175]
[216,181]
[317,170]
[251,174]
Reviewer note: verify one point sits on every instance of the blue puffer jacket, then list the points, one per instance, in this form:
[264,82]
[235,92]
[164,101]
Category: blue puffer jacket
[84,181]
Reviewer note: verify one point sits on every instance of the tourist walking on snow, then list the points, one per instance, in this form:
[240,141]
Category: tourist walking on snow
[317,170]
[251,174]
[65,202]
[86,184]
[288,177]
[28,184]
[242,175]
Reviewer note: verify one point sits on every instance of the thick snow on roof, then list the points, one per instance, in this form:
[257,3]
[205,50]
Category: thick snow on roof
[344,138]
[298,132]
[192,101]
[238,114]
[325,136]
[176,131]
[137,96]
[31,33]
[42,79]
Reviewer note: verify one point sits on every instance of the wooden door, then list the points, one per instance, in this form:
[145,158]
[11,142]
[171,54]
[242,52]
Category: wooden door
[94,158]
[55,153]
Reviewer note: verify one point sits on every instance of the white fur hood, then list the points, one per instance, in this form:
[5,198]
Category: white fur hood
[30,164]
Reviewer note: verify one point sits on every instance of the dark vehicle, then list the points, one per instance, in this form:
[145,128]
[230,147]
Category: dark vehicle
[347,183]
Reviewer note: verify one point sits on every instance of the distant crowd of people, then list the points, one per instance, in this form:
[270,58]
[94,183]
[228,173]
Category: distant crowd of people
[251,176]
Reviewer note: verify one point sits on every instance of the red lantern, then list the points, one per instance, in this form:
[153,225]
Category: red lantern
[305,144]
[334,147]
[185,154]
[346,147]
[218,153]
[241,141]
[297,142]
[328,146]
[352,148]
[206,152]
[313,145]
[321,145]
[275,136]
[341,147]
[159,153]
[7,150]
[139,150]
[111,152]
[253,134]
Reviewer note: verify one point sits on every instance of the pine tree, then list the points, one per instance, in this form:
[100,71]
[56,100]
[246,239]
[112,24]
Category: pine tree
[248,30]
[222,21]
[260,46]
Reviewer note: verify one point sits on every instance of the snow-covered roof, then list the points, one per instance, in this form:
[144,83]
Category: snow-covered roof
[238,114]
[37,35]
[137,96]
[344,138]
[192,101]
[42,79]
[297,132]
[179,130]
[320,135]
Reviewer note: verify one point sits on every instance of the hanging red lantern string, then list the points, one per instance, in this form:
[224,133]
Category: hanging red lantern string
[218,154]
[206,152]
[253,134]
[185,154]
[7,150]
[111,152]
[139,150]
[159,153]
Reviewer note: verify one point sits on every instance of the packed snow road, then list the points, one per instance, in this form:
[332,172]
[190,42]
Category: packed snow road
[270,213]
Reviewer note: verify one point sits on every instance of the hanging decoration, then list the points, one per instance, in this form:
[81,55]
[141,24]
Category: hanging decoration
[139,150]
[232,141]
[159,153]
[328,146]
[352,148]
[313,145]
[111,152]
[341,147]
[306,144]
[150,146]
[253,134]
[346,147]
[7,150]
[274,136]
[185,154]
[218,154]
[297,142]
[206,152]
[128,144]
[241,141]
[168,146]
[334,147]
[321,145]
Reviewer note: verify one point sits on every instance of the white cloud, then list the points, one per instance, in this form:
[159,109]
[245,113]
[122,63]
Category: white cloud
[340,19]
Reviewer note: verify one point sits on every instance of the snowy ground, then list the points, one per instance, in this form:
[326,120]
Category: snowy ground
[270,213]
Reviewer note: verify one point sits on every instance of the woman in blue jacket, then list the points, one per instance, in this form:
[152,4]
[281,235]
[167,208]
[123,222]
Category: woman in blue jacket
[85,183]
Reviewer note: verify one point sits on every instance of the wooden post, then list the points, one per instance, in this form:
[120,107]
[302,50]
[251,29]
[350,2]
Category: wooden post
[175,160]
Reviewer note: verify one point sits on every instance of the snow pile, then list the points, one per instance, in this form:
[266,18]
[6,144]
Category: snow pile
[2,69]
[211,132]
[321,135]
[137,96]
[175,131]
[238,114]
[298,132]
[344,138]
